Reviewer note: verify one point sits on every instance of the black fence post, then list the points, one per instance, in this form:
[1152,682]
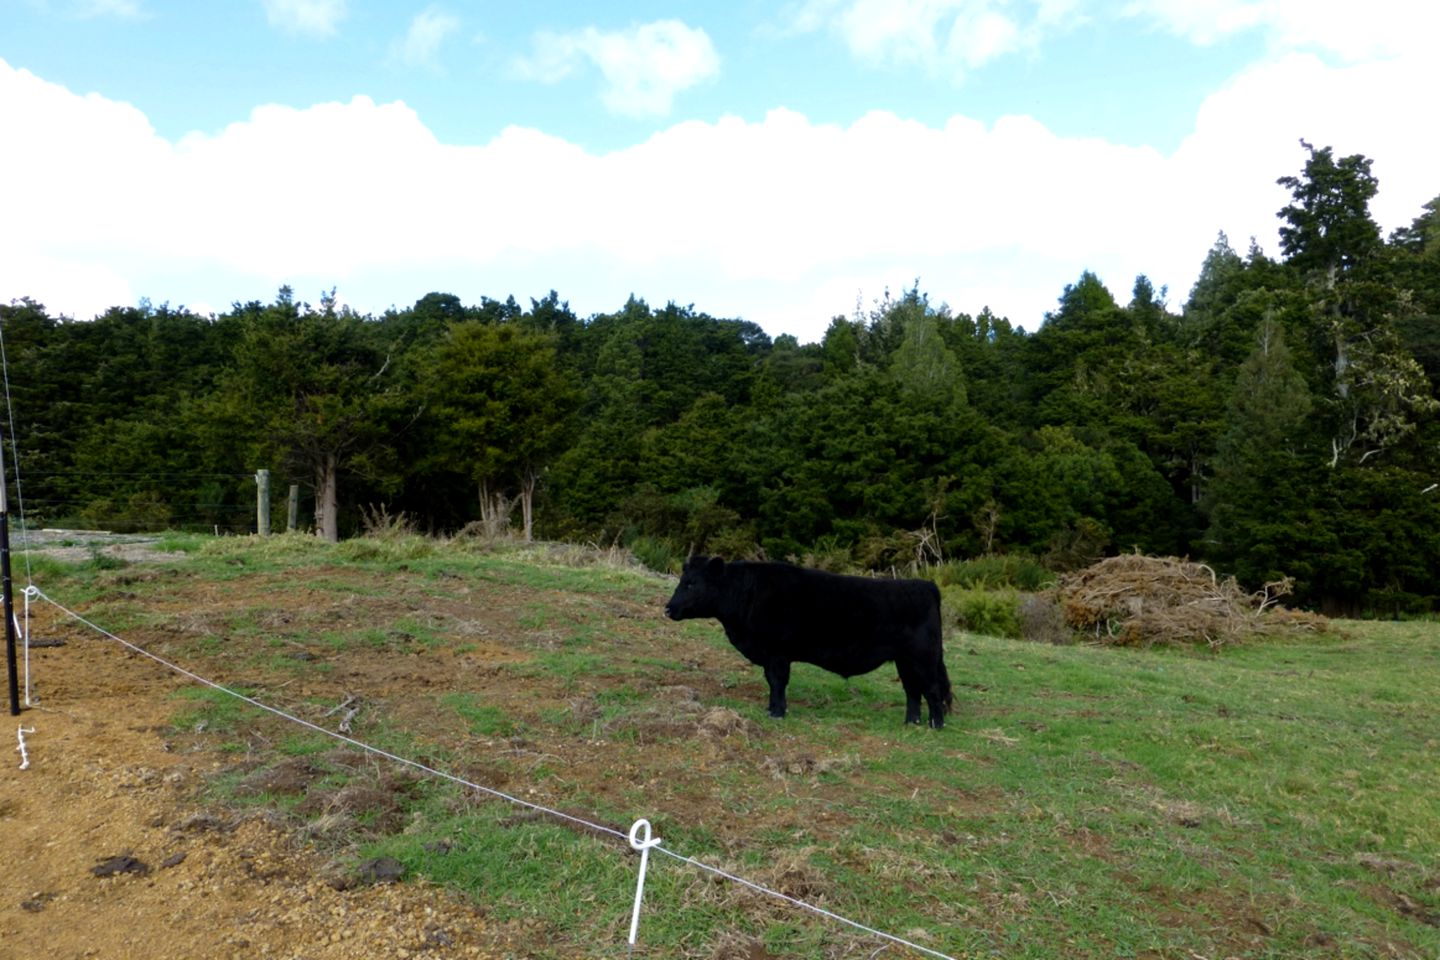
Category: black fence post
[7,587]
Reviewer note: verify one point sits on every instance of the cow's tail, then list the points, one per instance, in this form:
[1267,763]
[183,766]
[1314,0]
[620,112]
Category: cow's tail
[948,695]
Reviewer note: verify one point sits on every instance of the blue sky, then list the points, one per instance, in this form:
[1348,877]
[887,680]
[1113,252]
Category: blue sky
[781,162]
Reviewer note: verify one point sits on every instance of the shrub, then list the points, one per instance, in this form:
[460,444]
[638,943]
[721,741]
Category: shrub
[829,554]
[735,543]
[994,613]
[657,554]
[143,511]
[1042,619]
[996,572]
[377,522]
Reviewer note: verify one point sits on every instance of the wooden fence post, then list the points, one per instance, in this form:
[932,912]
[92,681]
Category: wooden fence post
[294,516]
[262,502]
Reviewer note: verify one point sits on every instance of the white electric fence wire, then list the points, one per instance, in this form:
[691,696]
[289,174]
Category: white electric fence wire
[598,828]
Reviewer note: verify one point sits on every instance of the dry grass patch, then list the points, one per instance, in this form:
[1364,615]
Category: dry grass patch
[1134,600]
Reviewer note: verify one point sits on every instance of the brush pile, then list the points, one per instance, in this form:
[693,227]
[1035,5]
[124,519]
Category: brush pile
[1132,600]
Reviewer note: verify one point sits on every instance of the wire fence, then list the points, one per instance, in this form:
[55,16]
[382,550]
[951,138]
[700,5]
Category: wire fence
[131,502]
[636,839]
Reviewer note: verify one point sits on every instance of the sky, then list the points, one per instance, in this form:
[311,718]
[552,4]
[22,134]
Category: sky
[783,163]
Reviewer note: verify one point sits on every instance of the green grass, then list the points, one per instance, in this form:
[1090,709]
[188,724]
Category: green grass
[215,714]
[1276,800]
[483,720]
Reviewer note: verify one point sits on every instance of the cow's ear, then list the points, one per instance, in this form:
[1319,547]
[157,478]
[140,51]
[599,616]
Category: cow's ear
[715,567]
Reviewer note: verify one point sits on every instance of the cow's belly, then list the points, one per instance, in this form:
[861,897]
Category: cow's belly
[847,663]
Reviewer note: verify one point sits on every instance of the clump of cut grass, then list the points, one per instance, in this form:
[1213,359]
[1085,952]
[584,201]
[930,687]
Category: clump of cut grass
[1134,600]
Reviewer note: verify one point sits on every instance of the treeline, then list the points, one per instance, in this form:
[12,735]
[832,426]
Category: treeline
[1283,423]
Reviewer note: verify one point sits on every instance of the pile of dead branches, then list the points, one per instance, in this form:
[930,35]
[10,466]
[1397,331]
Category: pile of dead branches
[1134,600]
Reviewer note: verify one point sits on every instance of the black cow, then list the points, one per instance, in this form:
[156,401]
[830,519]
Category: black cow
[777,614]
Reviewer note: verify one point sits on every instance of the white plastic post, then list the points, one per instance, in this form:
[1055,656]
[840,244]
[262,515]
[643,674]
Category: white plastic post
[643,845]
[25,754]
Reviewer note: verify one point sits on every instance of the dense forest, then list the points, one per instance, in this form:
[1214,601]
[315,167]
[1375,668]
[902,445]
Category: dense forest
[1283,422]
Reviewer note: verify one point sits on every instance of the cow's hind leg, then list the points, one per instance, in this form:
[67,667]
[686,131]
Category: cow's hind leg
[922,683]
[777,675]
[935,700]
[938,694]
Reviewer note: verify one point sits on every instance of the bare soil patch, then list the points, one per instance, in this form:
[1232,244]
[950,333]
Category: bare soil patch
[106,785]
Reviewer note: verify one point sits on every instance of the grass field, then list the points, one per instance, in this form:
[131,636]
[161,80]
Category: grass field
[1275,800]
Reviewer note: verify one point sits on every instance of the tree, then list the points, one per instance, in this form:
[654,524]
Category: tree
[498,407]
[1071,358]
[1256,502]
[313,389]
[924,366]
[1378,391]
[1328,230]
[1422,237]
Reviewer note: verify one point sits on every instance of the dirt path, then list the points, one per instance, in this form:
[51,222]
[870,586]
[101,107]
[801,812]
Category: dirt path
[105,790]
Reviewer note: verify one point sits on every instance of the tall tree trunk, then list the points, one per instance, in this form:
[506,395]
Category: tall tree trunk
[495,510]
[527,502]
[327,498]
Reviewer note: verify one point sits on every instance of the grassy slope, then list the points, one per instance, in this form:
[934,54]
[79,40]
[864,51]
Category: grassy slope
[1277,800]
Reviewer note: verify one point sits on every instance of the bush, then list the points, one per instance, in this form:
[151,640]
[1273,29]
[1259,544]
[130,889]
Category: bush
[995,613]
[830,555]
[996,572]
[735,543]
[657,554]
[141,512]
[895,551]
[1042,619]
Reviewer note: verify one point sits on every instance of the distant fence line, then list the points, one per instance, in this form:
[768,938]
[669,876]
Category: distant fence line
[136,501]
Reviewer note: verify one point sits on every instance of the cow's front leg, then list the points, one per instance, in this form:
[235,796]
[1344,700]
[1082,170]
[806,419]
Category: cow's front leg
[777,674]
[912,686]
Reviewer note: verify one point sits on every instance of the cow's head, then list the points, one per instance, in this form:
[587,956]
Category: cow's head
[698,592]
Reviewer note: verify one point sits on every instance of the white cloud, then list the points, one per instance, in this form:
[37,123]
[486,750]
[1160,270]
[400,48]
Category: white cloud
[1378,28]
[778,219]
[644,66]
[953,37]
[943,37]
[421,43]
[316,18]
